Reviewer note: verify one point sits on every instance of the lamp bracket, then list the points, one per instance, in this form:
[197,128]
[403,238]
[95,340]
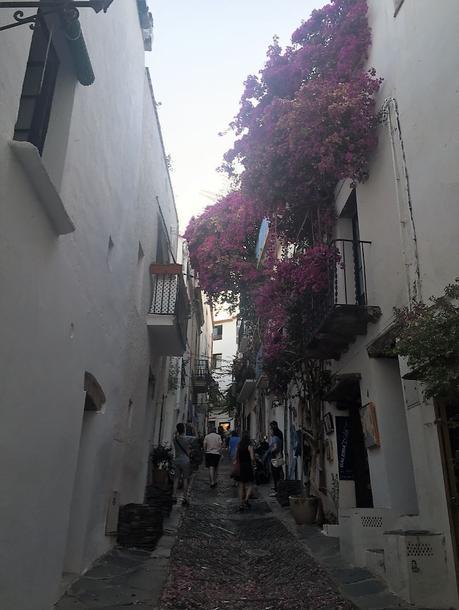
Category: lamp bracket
[67,8]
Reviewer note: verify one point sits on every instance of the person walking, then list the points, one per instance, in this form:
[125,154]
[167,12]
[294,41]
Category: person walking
[245,456]
[276,449]
[233,443]
[212,449]
[182,463]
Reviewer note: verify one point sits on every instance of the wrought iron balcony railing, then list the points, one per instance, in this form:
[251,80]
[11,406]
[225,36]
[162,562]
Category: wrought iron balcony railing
[170,306]
[201,373]
[340,313]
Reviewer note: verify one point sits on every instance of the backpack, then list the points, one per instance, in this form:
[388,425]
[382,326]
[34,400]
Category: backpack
[195,456]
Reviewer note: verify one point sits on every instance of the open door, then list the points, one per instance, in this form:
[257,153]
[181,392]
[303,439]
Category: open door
[447,413]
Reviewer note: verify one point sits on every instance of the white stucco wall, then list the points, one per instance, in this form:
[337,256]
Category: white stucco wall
[416,54]
[226,346]
[69,307]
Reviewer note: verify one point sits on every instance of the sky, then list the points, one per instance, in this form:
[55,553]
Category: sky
[203,50]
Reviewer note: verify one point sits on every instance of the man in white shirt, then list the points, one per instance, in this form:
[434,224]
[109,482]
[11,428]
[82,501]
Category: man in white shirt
[212,448]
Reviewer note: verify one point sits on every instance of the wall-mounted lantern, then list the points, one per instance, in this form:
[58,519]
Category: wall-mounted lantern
[68,12]
[68,9]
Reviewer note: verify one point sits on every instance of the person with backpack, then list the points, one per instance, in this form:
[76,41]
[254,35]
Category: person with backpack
[183,447]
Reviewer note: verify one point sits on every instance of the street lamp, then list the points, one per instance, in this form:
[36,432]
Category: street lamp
[67,8]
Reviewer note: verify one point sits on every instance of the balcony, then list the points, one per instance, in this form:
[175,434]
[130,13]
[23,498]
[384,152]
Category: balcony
[201,375]
[167,319]
[247,390]
[342,313]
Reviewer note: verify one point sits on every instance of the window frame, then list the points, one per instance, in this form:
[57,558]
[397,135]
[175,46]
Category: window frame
[216,362]
[42,54]
[215,336]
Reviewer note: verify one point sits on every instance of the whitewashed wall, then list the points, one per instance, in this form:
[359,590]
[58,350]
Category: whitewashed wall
[67,307]
[416,54]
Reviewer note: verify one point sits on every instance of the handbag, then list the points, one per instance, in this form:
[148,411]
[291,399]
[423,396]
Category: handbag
[277,462]
[236,470]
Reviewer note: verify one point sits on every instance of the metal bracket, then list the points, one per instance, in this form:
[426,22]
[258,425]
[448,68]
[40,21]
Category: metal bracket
[69,8]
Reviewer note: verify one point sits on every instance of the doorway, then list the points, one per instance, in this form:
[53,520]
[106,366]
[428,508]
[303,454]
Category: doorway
[354,453]
[359,460]
[83,497]
[447,414]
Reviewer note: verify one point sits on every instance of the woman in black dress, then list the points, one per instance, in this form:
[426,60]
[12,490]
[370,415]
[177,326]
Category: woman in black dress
[246,458]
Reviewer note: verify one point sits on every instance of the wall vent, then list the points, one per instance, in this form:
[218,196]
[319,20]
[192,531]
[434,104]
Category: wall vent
[371,521]
[419,549]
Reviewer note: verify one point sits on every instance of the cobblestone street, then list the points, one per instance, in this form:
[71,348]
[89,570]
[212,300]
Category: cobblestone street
[212,557]
[226,559]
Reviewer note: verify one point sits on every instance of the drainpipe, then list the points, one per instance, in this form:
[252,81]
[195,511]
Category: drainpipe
[178,394]
[286,435]
[391,116]
[161,418]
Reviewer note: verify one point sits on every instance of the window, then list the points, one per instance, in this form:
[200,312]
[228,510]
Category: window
[397,5]
[38,88]
[216,361]
[162,250]
[217,332]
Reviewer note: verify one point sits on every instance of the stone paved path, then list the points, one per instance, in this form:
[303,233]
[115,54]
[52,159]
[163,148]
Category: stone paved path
[226,559]
[211,557]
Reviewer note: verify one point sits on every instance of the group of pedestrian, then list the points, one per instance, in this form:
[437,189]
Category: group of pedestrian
[240,452]
[243,456]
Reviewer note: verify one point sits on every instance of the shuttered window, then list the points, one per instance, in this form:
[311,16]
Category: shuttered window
[38,88]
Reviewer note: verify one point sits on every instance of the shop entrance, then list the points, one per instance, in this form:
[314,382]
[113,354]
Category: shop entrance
[359,460]
[447,413]
[352,452]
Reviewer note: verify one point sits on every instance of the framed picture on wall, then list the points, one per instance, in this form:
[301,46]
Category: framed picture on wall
[328,423]
[370,425]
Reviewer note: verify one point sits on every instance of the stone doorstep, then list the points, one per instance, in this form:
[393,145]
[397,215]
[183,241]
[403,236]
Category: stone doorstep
[358,585]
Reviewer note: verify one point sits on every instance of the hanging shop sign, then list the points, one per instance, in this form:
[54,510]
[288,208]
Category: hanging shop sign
[370,425]
[343,448]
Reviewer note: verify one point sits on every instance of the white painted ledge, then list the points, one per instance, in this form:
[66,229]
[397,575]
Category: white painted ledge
[32,163]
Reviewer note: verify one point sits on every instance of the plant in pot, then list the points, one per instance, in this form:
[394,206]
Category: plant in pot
[303,508]
[161,459]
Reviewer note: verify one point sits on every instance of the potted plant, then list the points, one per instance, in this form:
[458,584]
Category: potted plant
[161,459]
[304,509]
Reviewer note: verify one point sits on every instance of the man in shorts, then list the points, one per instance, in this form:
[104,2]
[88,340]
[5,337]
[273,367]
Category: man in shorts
[182,463]
[212,449]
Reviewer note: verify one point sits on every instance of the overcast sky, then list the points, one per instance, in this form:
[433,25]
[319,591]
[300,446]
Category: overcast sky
[203,51]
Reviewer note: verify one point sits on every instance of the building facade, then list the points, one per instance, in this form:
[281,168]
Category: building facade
[185,399]
[387,470]
[224,350]
[94,304]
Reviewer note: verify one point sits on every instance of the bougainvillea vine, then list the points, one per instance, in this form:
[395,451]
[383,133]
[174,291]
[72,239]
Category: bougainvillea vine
[307,121]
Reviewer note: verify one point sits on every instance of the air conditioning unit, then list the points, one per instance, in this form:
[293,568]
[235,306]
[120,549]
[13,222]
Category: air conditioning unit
[416,566]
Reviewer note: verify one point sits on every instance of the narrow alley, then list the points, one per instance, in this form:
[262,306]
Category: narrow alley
[213,557]
[227,559]
[227,237]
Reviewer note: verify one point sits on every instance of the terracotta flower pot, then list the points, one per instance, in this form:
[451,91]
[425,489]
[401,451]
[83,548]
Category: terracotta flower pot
[303,509]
